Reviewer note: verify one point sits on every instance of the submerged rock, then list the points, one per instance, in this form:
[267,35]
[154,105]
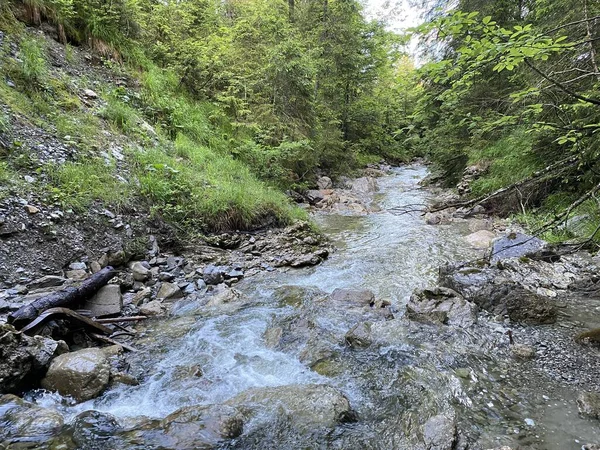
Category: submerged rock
[312,405]
[353,297]
[441,305]
[359,336]
[83,374]
[25,422]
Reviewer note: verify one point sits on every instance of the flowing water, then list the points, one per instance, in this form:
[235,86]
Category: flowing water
[411,372]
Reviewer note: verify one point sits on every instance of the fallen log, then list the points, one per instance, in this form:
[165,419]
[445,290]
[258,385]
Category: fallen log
[64,313]
[65,297]
[108,340]
[121,319]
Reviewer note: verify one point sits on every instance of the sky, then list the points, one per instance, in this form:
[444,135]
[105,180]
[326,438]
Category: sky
[398,13]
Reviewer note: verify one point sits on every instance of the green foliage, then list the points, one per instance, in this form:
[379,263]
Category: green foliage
[33,61]
[4,122]
[120,114]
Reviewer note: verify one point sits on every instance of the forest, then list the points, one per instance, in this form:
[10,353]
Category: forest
[278,93]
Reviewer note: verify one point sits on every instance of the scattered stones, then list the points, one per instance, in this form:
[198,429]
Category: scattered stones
[83,374]
[140,271]
[107,301]
[169,291]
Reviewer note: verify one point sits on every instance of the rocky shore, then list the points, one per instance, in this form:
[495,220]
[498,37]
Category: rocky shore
[521,300]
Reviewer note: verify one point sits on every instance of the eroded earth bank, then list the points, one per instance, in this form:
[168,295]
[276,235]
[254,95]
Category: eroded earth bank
[394,331]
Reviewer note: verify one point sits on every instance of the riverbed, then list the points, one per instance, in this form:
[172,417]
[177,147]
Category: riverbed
[281,332]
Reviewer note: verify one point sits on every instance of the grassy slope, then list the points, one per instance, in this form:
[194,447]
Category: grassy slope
[180,167]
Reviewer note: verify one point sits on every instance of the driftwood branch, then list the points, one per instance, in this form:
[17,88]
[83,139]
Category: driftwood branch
[65,297]
[64,313]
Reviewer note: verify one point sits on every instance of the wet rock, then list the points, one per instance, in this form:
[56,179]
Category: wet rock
[140,271]
[22,358]
[94,426]
[77,266]
[305,260]
[441,305]
[324,183]
[225,296]
[515,245]
[305,405]
[353,297]
[439,433]
[201,426]
[588,404]
[153,308]
[364,185]
[140,296]
[26,422]
[213,275]
[83,374]
[359,336]
[480,239]
[108,301]
[169,291]
[46,282]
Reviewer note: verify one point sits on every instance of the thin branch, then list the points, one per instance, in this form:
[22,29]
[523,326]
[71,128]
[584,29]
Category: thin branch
[577,22]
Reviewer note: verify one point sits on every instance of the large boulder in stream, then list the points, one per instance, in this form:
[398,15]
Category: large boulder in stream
[515,245]
[441,305]
[83,374]
[310,406]
[24,358]
[492,290]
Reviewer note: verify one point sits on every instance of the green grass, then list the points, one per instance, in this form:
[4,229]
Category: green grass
[122,116]
[197,186]
[77,184]
[33,61]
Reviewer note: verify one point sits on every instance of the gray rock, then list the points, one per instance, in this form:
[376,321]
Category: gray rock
[140,296]
[353,297]
[522,351]
[480,239]
[439,433]
[107,301]
[200,284]
[77,266]
[83,374]
[46,282]
[213,275]
[153,308]
[140,271]
[307,406]
[324,183]
[76,275]
[588,404]
[364,185]
[166,276]
[23,358]
[189,289]
[90,94]
[94,426]
[359,336]
[314,196]
[441,305]
[515,245]
[169,291]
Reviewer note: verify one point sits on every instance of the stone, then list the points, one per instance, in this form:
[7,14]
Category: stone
[23,358]
[139,271]
[77,266]
[24,421]
[46,282]
[76,275]
[94,426]
[142,295]
[169,291]
[83,374]
[153,308]
[108,301]
[95,267]
[353,297]
[441,305]
[515,245]
[324,183]
[522,351]
[480,239]
[588,404]
[359,336]
[314,196]
[364,185]
[213,275]
[439,433]
[32,209]
[88,93]
[306,406]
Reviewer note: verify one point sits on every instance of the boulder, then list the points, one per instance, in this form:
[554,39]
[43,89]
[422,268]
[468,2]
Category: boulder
[23,358]
[94,426]
[169,291]
[314,196]
[439,433]
[324,183]
[364,185]
[353,297]
[310,406]
[153,308]
[24,421]
[213,274]
[46,282]
[359,336]
[480,239]
[441,305]
[515,245]
[83,374]
[108,301]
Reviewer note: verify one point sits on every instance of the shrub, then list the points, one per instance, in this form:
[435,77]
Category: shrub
[33,62]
